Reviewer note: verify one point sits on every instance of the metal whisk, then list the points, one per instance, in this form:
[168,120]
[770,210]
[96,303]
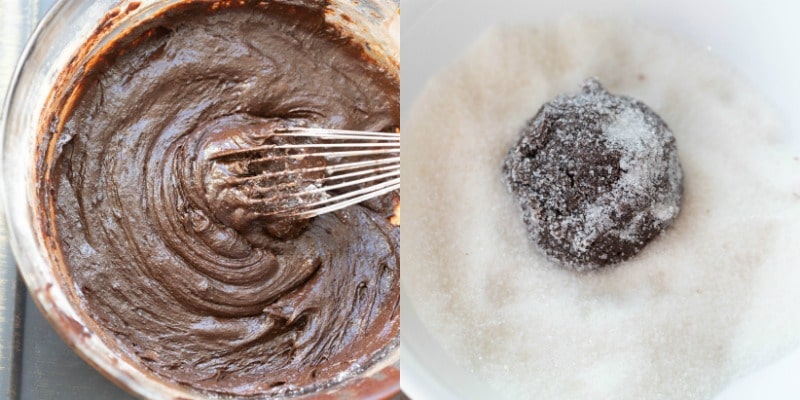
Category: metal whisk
[317,170]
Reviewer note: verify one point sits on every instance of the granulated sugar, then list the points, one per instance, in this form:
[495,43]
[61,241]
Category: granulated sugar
[711,299]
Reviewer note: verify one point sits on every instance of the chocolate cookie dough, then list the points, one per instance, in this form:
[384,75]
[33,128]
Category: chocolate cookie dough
[596,176]
[168,245]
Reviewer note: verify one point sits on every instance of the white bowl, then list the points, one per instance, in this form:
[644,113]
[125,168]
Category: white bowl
[756,38]
[55,44]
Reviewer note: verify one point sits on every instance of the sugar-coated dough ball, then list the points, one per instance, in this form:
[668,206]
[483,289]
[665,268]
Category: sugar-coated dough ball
[596,176]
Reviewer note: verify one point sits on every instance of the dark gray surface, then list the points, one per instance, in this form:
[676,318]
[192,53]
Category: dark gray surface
[51,370]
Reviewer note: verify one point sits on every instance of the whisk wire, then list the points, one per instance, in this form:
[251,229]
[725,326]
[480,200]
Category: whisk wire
[336,133]
[353,182]
[346,199]
[349,202]
[359,166]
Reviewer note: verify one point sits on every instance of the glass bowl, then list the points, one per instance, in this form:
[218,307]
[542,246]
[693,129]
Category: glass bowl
[56,44]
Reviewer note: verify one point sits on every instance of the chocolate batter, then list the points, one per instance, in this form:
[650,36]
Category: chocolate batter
[596,176]
[167,245]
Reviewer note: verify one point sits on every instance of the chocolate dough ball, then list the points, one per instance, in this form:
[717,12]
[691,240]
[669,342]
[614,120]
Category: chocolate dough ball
[596,176]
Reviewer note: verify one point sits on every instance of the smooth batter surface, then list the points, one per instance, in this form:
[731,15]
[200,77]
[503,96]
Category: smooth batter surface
[711,299]
[169,247]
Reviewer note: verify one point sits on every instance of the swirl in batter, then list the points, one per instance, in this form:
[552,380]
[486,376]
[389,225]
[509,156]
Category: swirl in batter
[171,250]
